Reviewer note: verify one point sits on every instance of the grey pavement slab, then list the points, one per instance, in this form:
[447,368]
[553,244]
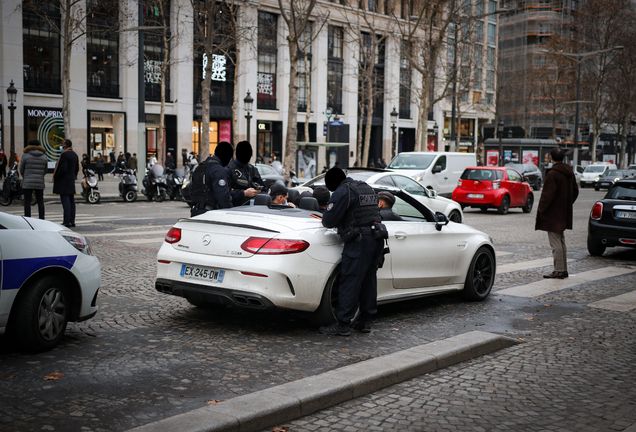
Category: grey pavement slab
[255,411]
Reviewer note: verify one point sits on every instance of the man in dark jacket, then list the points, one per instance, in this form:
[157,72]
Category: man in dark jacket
[353,209]
[33,169]
[64,181]
[245,181]
[210,185]
[386,201]
[169,161]
[554,213]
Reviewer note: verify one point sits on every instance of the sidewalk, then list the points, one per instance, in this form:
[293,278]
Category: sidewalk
[108,188]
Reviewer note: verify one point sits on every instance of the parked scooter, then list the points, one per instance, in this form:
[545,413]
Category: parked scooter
[12,187]
[90,192]
[154,184]
[127,182]
[293,179]
[174,181]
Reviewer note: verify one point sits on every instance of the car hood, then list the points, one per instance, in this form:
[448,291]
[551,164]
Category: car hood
[10,221]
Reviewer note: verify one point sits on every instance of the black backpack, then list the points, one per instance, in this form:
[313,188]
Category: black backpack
[200,189]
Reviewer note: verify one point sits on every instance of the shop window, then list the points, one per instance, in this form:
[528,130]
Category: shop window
[106,135]
[41,49]
[155,14]
[335,69]
[102,48]
[267,60]
[304,73]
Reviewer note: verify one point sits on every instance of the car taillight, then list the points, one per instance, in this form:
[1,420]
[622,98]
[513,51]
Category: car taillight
[265,246]
[597,211]
[174,235]
[459,183]
[496,184]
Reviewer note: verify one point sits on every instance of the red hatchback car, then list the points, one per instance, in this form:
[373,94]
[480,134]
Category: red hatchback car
[498,187]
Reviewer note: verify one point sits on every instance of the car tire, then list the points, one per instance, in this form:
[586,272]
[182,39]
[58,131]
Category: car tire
[582,186]
[455,216]
[39,321]
[529,202]
[326,312]
[596,188]
[537,185]
[505,205]
[205,305]
[481,275]
[130,196]
[595,248]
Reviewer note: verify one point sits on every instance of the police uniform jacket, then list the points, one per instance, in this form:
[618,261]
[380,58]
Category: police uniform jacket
[237,190]
[336,213]
[218,184]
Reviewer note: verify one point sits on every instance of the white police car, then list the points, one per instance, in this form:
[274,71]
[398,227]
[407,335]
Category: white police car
[48,277]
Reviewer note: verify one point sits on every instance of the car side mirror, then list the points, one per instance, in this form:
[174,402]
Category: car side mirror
[526,179]
[432,193]
[440,220]
[437,169]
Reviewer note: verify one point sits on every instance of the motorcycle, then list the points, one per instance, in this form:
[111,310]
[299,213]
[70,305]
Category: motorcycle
[127,183]
[12,187]
[154,184]
[175,179]
[90,191]
[293,179]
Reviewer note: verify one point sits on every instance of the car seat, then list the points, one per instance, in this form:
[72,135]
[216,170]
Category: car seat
[292,195]
[261,199]
[309,203]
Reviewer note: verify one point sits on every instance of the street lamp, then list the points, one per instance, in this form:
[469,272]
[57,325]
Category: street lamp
[500,131]
[12,92]
[248,101]
[328,113]
[580,58]
[394,119]
[435,132]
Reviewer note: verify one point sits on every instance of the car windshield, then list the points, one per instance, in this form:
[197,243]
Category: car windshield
[479,174]
[613,173]
[409,161]
[622,192]
[595,169]
[360,176]
[518,167]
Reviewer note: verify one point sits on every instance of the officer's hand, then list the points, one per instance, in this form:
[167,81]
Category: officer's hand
[251,192]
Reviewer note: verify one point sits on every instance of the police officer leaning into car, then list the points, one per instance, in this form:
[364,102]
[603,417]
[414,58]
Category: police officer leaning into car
[245,181]
[211,188]
[353,209]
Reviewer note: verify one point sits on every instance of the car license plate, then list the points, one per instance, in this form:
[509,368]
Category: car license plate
[475,195]
[626,215]
[202,273]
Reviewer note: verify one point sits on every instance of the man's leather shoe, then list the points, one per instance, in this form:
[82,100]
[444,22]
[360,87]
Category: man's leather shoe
[336,329]
[362,326]
[556,275]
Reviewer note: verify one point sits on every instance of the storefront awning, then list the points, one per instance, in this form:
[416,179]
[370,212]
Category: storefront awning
[321,144]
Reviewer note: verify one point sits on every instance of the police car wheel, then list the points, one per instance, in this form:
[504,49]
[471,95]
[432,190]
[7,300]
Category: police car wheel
[481,275]
[42,314]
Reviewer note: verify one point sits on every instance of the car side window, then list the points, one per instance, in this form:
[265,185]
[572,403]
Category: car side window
[407,211]
[265,170]
[513,175]
[500,175]
[386,181]
[441,162]
[409,185]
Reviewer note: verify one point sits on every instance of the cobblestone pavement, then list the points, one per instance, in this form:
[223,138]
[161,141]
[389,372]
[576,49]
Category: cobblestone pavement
[147,356]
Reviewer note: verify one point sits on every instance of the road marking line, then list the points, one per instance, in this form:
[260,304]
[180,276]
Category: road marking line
[119,233]
[524,265]
[621,303]
[502,253]
[142,241]
[547,286]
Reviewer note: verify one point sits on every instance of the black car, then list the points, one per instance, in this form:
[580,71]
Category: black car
[609,177]
[613,219]
[531,171]
[270,175]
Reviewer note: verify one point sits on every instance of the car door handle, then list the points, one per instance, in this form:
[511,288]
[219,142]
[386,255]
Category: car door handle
[400,235]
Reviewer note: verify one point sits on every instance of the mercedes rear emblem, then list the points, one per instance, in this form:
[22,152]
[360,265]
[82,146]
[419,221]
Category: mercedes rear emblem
[207,239]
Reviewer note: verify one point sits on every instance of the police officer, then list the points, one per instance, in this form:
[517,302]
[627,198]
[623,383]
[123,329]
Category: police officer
[245,181]
[353,209]
[210,185]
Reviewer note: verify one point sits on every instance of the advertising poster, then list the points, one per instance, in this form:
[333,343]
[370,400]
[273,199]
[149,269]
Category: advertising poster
[492,157]
[307,163]
[110,140]
[47,125]
[611,158]
[225,131]
[531,156]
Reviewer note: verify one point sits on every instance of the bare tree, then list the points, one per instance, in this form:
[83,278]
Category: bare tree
[297,14]
[217,31]
[70,20]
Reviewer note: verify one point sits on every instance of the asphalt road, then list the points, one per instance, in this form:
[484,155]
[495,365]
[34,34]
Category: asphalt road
[147,356]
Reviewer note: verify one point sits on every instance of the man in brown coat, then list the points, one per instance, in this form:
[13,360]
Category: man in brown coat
[554,214]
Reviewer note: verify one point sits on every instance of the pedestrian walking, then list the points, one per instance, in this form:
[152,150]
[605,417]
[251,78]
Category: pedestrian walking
[132,162]
[184,157]
[353,209]
[112,157]
[33,169]
[554,213]
[169,162]
[64,177]
[99,167]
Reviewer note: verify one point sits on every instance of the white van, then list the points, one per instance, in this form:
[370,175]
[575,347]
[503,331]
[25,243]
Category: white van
[439,171]
[588,178]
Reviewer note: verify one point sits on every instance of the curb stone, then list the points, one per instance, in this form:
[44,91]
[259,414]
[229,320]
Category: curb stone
[256,411]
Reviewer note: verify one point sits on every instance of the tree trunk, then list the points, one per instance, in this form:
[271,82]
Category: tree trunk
[359,142]
[235,99]
[67,31]
[289,156]
[308,85]
[622,157]
[369,114]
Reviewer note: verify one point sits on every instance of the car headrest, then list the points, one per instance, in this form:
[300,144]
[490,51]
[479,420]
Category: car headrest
[262,199]
[309,203]
[292,194]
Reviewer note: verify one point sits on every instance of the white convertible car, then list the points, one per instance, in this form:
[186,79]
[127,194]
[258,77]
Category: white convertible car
[271,256]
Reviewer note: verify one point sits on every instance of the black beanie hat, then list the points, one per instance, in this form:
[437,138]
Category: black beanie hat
[334,177]
[244,152]
[322,195]
[224,151]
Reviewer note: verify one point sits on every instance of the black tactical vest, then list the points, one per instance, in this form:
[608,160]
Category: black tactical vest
[200,189]
[363,210]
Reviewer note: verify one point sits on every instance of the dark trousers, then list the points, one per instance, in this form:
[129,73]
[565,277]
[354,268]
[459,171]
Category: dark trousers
[100,175]
[68,205]
[358,279]
[39,196]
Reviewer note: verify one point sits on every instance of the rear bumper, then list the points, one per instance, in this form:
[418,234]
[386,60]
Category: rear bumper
[228,297]
[490,199]
[610,236]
